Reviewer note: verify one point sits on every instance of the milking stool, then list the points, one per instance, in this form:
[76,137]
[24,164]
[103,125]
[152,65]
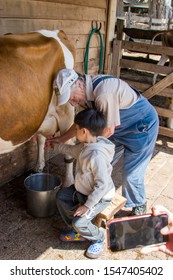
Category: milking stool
[108,213]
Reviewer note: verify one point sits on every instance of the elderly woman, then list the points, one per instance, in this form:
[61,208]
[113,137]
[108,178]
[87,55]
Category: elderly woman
[132,125]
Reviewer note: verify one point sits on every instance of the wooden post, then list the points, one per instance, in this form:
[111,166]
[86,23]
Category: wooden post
[120,26]
[110,33]
[117,51]
[116,56]
[120,8]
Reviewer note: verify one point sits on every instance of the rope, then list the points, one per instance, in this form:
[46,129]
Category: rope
[97,31]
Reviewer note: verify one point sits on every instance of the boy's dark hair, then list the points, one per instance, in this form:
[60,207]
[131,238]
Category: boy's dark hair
[91,119]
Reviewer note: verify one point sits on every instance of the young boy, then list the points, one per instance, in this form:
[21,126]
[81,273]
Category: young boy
[93,188]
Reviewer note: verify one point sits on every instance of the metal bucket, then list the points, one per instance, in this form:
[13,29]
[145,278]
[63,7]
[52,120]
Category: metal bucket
[41,189]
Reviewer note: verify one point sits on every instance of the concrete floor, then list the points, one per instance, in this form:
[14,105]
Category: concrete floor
[23,237]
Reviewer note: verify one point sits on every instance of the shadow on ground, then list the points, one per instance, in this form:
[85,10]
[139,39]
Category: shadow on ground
[23,237]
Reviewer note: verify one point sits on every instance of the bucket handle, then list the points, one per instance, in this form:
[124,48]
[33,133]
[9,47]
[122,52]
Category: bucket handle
[57,187]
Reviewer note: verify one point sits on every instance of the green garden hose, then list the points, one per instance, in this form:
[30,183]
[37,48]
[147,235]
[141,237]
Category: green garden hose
[97,31]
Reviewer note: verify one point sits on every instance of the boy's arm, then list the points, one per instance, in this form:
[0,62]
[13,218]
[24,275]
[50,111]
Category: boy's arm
[101,179]
[72,150]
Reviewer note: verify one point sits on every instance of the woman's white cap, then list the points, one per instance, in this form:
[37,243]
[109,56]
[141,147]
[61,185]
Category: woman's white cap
[64,80]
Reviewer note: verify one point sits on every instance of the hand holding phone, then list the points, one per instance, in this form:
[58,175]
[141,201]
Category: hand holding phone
[137,231]
[166,248]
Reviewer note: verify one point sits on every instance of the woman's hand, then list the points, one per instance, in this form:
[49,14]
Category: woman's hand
[107,132]
[51,141]
[168,230]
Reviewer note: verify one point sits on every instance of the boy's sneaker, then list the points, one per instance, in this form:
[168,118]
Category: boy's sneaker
[94,251]
[71,236]
[139,210]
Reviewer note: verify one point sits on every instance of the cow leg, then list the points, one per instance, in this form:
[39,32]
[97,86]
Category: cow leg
[48,128]
[69,177]
[40,153]
[65,117]
[161,62]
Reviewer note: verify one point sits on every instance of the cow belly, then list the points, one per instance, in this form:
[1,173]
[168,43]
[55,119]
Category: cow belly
[7,146]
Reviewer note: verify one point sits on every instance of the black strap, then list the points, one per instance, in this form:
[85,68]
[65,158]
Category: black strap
[137,92]
[97,81]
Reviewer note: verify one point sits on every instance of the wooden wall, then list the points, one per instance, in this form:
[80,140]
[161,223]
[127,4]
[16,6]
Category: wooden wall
[72,16]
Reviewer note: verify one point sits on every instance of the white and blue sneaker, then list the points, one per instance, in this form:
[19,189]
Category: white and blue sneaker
[95,250]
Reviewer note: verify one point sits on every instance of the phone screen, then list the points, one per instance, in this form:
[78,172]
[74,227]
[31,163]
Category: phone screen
[136,232]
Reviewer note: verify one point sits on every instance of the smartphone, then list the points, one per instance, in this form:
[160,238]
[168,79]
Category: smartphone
[136,231]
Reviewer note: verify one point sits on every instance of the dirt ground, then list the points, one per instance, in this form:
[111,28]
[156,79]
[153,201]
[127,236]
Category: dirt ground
[23,237]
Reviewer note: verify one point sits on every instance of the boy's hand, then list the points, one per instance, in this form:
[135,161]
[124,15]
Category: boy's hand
[82,210]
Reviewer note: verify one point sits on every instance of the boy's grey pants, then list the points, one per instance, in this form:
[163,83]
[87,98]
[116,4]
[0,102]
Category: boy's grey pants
[68,200]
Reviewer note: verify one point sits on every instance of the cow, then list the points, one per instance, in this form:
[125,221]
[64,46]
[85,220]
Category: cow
[29,64]
[167,41]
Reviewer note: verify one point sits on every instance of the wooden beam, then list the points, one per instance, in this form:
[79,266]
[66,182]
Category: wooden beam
[147,48]
[144,66]
[46,10]
[166,131]
[167,92]
[165,82]
[164,112]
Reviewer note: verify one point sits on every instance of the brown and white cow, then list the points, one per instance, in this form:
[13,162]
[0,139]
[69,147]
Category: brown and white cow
[29,64]
[167,41]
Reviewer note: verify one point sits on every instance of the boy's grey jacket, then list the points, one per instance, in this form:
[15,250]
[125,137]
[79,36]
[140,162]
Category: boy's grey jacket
[93,169]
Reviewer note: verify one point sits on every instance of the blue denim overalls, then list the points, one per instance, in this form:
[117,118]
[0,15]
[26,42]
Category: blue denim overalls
[136,136]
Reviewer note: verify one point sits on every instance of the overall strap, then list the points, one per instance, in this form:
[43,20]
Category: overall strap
[98,80]
[137,92]
[95,83]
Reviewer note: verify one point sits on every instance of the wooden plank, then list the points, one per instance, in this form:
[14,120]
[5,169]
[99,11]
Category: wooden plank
[139,86]
[80,41]
[164,112]
[27,25]
[137,65]
[49,10]
[146,48]
[88,3]
[93,67]
[157,28]
[139,19]
[165,82]
[166,92]
[117,203]
[166,131]
[93,54]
